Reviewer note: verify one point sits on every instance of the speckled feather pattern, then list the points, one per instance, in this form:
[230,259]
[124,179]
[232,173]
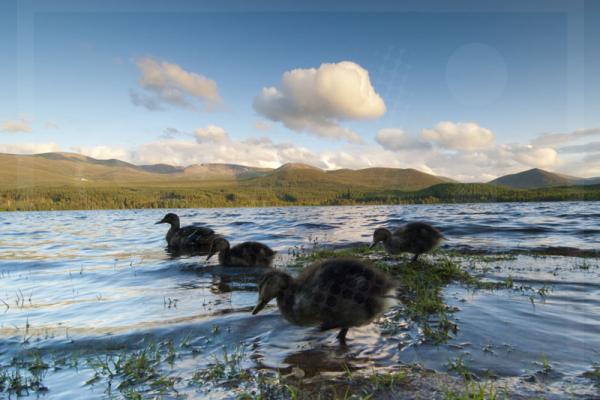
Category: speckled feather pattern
[415,237]
[197,237]
[247,254]
[337,293]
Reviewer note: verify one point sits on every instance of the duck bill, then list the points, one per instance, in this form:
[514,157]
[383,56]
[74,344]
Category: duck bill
[162,221]
[372,245]
[259,307]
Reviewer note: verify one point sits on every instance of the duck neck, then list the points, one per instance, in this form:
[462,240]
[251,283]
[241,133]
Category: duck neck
[388,236]
[225,256]
[174,228]
[286,300]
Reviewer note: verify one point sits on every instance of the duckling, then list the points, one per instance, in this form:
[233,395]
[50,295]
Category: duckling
[337,293]
[198,238]
[246,254]
[415,237]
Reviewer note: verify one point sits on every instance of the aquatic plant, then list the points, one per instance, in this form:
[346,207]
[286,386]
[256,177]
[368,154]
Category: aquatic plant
[593,374]
[474,391]
[24,375]
[135,372]
[228,367]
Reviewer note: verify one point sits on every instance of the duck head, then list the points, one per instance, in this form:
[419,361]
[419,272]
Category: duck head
[171,219]
[270,286]
[380,235]
[217,245]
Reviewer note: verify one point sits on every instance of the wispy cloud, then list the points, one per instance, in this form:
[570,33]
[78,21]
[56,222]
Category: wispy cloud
[29,148]
[171,133]
[211,134]
[16,126]
[150,102]
[103,152]
[591,147]
[395,148]
[554,139]
[51,125]
[263,126]
[318,100]
[395,139]
[164,83]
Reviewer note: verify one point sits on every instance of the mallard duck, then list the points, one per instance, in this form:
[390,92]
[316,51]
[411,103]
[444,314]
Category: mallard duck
[415,237]
[197,238]
[246,254]
[338,293]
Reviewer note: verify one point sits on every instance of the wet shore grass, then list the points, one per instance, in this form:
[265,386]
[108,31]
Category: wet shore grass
[150,372]
[422,282]
[153,369]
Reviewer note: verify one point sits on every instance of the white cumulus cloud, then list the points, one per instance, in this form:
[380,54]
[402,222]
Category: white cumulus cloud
[317,100]
[459,135]
[258,152]
[167,83]
[538,157]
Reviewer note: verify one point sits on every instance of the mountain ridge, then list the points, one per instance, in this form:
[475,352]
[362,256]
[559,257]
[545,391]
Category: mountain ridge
[63,168]
[56,169]
[537,178]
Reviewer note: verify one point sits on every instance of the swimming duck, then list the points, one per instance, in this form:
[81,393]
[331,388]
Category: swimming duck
[246,254]
[198,238]
[338,293]
[415,237]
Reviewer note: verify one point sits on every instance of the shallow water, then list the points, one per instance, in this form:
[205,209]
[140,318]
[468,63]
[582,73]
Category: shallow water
[79,280]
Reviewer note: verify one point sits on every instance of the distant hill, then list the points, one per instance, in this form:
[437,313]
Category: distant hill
[65,181]
[223,172]
[70,169]
[388,177]
[60,169]
[536,178]
[161,168]
[52,169]
[297,166]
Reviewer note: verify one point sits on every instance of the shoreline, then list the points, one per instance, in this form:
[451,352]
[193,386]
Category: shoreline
[283,194]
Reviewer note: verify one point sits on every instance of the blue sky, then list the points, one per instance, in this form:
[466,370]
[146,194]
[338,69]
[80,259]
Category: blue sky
[466,92]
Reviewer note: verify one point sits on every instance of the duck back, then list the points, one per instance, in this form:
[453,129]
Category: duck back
[197,237]
[250,254]
[418,237]
[340,293]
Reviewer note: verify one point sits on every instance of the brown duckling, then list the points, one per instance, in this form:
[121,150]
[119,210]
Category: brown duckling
[338,293]
[246,254]
[197,238]
[415,237]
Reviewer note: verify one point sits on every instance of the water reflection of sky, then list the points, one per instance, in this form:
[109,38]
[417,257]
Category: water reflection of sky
[101,276]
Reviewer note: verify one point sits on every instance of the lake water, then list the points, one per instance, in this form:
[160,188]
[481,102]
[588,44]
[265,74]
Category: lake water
[81,281]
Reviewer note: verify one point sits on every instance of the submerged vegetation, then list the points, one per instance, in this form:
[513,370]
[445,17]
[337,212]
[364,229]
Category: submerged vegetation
[276,193]
[422,284]
[24,375]
[174,367]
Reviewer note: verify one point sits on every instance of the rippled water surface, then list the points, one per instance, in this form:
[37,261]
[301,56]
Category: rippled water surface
[79,280]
